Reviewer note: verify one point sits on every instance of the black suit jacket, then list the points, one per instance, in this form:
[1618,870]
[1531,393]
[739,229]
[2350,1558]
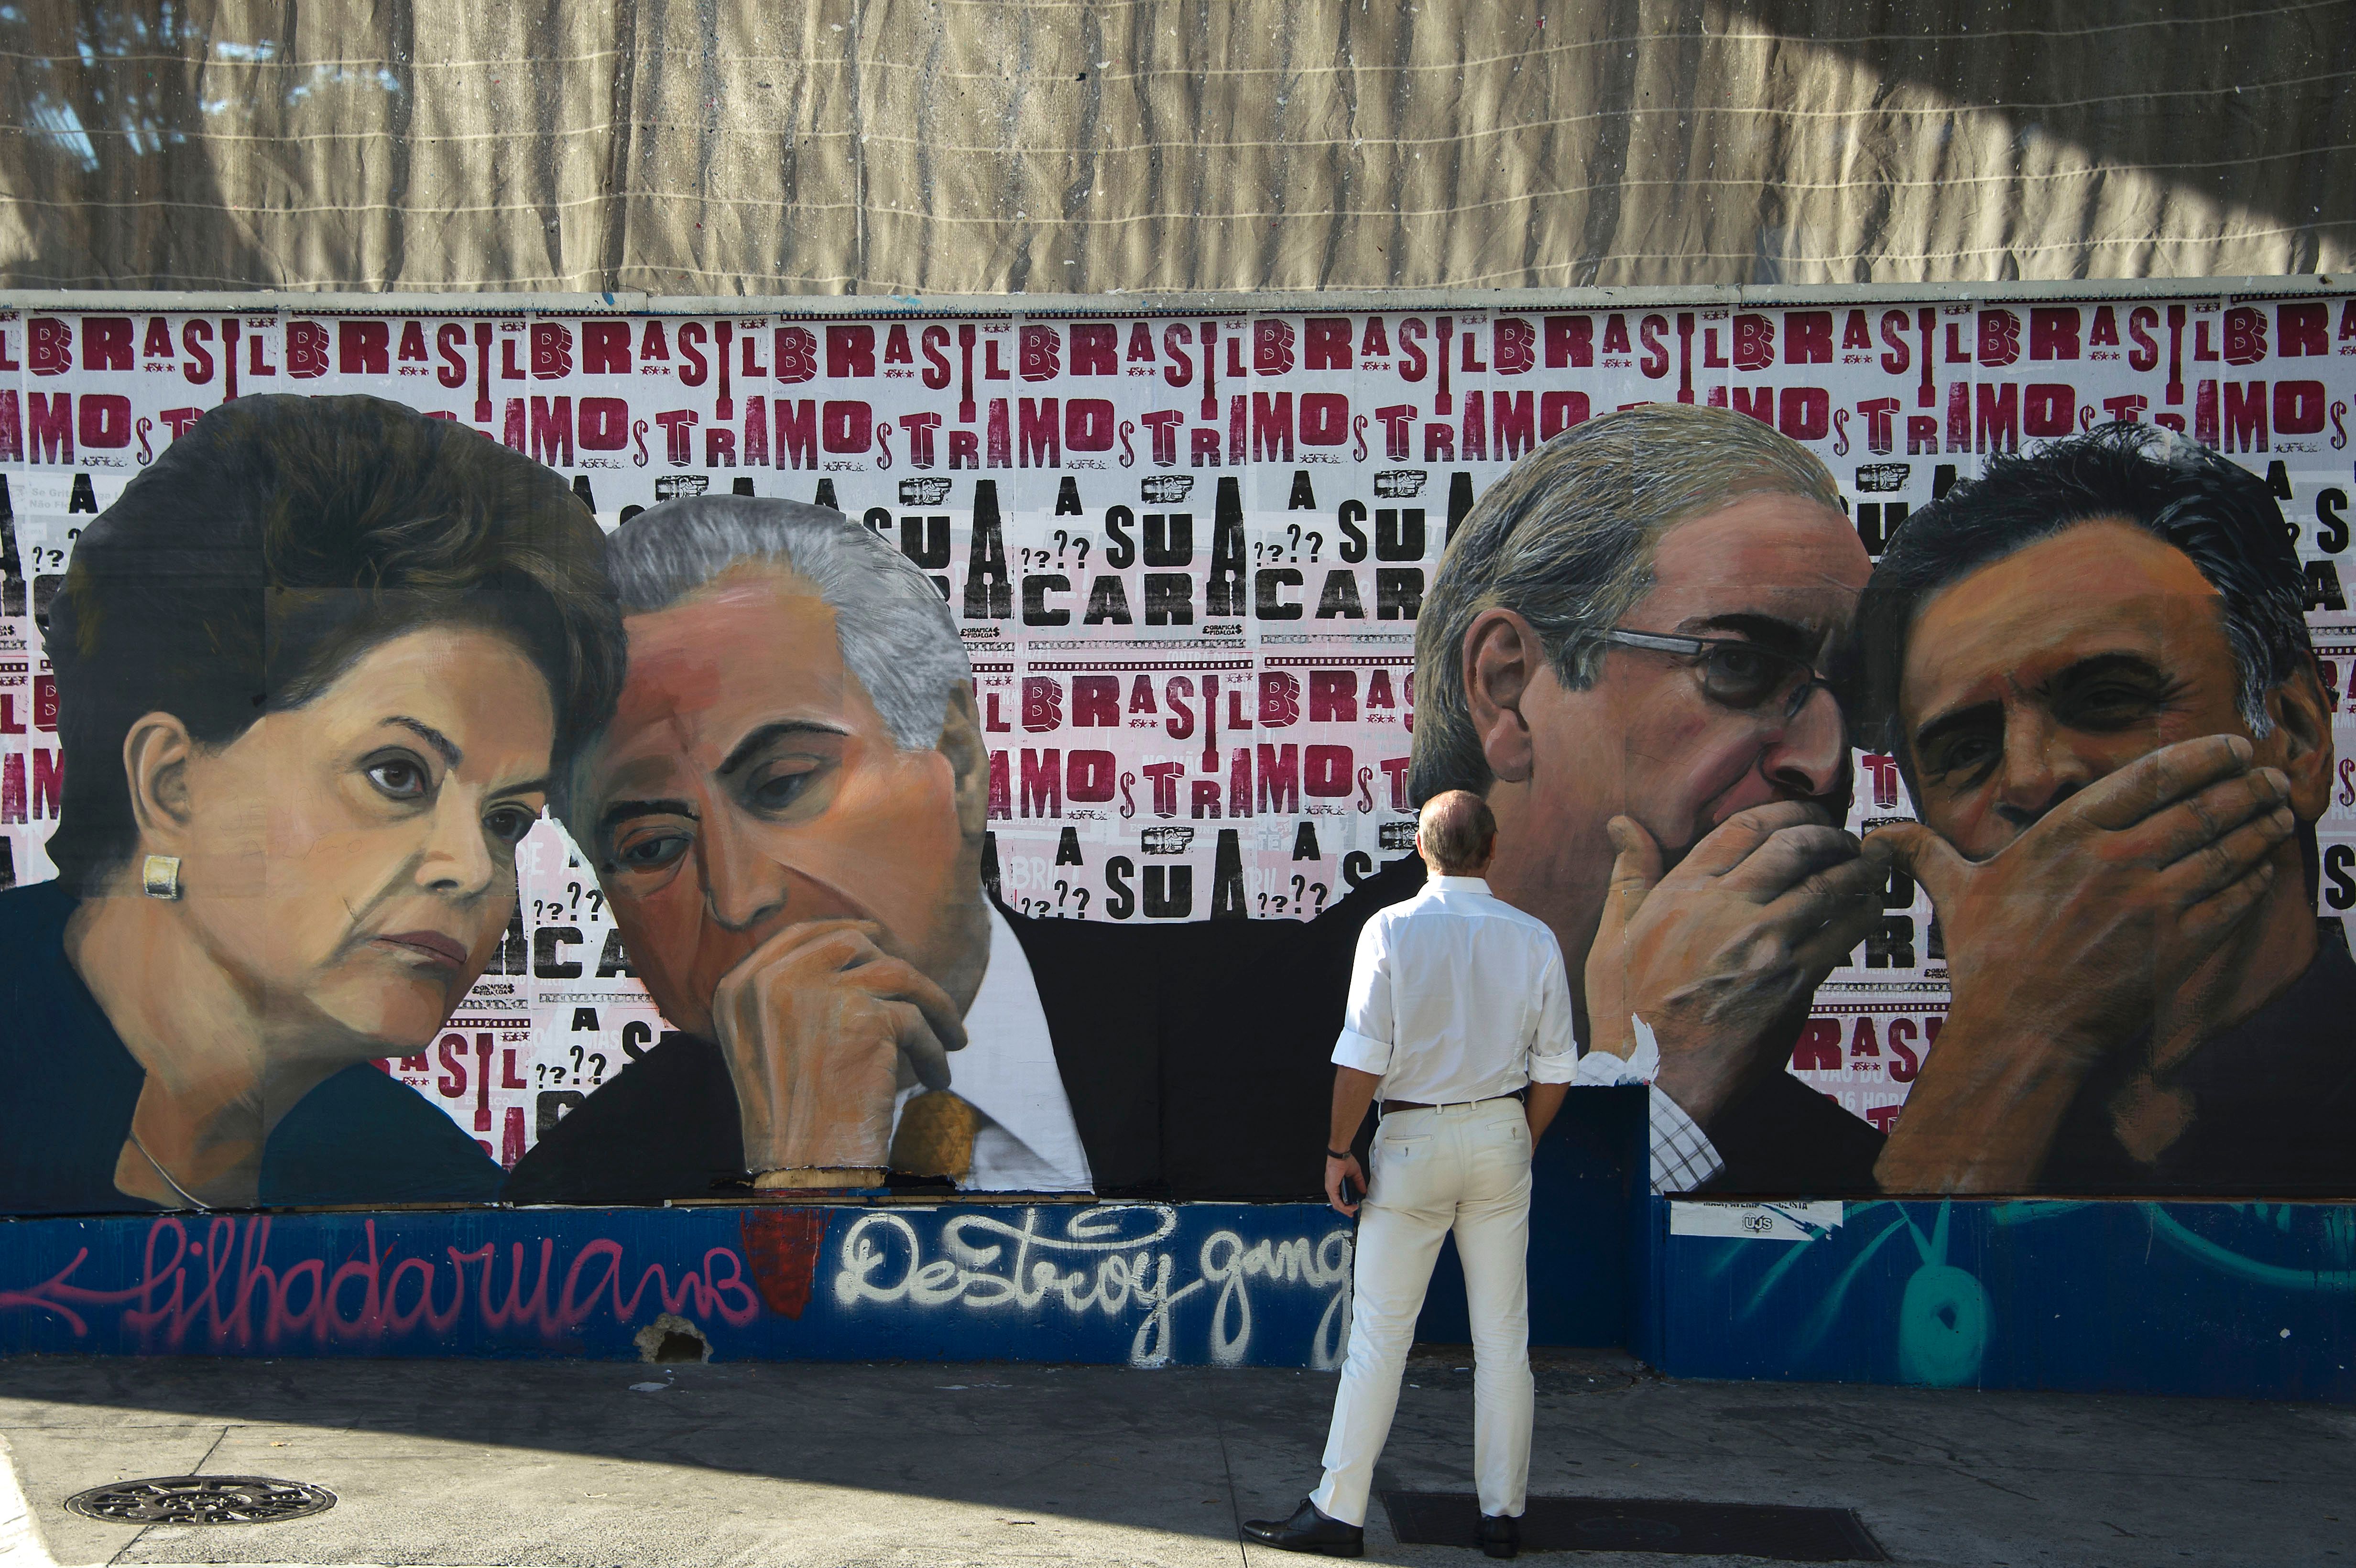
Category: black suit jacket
[1196,1057]
[1273,1023]
[1197,1060]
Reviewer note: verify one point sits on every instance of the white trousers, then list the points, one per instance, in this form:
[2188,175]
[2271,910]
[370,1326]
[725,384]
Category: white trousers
[1464,1169]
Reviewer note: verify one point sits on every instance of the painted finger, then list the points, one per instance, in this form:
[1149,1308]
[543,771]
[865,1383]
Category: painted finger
[2184,828]
[920,1043]
[1827,947]
[2221,862]
[1922,855]
[1787,858]
[2153,781]
[1732,842]
[895,980]
[2217,918]
[1822,894]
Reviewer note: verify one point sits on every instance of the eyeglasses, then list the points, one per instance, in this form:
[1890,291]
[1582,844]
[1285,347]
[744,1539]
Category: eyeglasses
[1736,672]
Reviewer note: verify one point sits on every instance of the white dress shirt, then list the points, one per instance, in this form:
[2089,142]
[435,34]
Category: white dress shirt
[1027,1141]
[1456,995]
[1683,1156]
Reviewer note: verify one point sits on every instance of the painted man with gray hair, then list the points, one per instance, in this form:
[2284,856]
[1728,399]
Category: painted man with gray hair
[787,814]
[1623,652]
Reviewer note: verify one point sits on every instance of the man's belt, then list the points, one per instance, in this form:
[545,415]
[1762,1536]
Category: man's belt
[1390,1105]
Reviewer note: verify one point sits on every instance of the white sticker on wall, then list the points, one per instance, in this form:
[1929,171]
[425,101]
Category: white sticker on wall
[1755,1222]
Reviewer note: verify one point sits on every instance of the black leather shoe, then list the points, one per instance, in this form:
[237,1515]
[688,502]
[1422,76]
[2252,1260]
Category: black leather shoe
[1500,1535]
[1308,1531]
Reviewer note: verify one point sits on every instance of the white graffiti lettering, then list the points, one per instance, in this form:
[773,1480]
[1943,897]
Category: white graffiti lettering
[1109,1259]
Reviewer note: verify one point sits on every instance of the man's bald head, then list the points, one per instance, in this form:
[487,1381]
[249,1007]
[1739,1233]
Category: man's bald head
[1456,835]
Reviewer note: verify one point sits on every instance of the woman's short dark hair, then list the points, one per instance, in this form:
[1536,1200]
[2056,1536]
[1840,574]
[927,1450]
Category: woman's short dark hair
[2221,516]
[273,544]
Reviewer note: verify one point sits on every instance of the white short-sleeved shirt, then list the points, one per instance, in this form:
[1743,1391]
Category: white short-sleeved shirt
[1456,995]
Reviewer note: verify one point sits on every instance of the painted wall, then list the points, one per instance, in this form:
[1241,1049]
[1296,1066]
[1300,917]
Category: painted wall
[1143,1285]
[1173,563]
[2237,1300]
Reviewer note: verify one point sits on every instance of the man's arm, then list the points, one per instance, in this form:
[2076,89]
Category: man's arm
[1544,1100]
[1353,1091]
[1361,1056]
[1554,1053]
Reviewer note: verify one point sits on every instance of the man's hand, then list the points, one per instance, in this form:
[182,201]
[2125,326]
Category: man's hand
[1335,1170]
[1716,955]
[815,1023]
[2072,940]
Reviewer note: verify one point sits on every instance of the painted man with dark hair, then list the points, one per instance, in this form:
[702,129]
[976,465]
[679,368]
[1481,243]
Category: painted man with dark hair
[2092,669]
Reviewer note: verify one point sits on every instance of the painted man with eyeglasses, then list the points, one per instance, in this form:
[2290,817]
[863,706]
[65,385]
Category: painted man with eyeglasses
[1622,654]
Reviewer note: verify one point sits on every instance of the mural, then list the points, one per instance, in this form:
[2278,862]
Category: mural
[963,749]
[2238,1299]
[1137,1285]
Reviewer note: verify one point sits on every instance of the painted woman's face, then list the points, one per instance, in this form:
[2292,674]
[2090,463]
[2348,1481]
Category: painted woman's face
[352,860]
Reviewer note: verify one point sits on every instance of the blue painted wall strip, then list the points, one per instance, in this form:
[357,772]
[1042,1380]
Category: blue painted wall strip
[1146,1285]
[2250,1300]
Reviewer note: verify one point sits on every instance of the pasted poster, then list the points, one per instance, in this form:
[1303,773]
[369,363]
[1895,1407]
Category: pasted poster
[1075,749]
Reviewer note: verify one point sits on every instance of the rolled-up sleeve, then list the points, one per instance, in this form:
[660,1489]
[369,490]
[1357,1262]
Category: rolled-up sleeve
[1366,1028]
[1554,1054]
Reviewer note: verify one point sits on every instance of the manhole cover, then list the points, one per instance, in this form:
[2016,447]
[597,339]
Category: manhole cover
[201,1499]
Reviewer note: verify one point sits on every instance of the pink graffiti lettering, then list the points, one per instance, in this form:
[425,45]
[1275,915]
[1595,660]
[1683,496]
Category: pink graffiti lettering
[220,1293]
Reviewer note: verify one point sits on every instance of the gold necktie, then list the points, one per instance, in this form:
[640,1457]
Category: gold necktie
[936,1136]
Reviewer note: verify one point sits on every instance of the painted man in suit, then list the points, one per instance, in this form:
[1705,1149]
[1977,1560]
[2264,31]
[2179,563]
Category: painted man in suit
[1623,654]
[788,814]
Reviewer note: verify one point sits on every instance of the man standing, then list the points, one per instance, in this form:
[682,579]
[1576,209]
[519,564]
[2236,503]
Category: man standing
[1623,654]
[1459,1009]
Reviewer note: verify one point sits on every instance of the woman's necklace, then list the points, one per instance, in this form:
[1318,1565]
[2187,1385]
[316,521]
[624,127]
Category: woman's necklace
[187,1197]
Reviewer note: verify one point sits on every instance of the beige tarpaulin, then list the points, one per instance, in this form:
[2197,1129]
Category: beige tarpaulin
[780,147]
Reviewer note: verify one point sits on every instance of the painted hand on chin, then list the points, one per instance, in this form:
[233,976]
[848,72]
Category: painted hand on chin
[817,1024]
[1717,953]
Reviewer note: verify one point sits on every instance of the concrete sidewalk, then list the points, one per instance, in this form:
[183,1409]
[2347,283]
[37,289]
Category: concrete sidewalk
[833,1466]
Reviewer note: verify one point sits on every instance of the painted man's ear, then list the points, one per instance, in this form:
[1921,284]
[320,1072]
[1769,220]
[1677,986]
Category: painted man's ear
[2302,715]
[961,743]
[1502,657]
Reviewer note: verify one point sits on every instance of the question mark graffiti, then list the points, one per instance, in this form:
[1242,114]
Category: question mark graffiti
[1128,453]
[1295,531]
[1080,545]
